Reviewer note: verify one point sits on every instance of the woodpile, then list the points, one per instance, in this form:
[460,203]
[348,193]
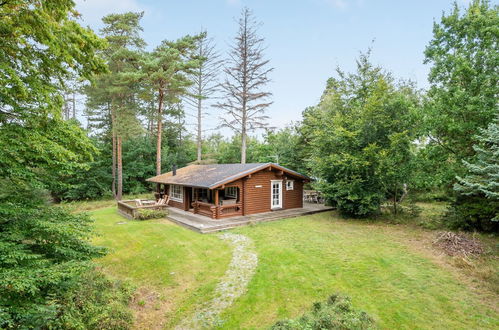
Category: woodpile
[456,244]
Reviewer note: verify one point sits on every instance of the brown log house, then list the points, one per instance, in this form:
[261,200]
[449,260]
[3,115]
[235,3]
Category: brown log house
[225,190]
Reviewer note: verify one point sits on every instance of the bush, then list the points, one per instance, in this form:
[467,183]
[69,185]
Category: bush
[43,251]
[147,214]
[336,313]
[432,195]
[473,213]
[94,302]
[411,209]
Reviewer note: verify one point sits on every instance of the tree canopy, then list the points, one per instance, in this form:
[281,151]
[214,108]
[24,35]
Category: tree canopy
[359,137]
[464,56]
[42,45]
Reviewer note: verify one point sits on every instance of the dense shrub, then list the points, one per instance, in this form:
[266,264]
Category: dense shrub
[47,279]
[146,214]
[94,302]
[410,209]
[473,213]
[336,313]
[43,250]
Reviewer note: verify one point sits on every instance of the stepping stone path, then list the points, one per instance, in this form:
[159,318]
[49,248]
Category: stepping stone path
[233,283]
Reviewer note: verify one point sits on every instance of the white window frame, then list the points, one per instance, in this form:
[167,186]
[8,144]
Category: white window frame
[231,192]
[176,196]
[272,206]
[290,184]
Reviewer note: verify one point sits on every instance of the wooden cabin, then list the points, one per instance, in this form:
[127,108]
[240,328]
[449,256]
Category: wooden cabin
[226,190]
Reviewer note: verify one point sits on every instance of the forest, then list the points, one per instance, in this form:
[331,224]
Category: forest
[374,143]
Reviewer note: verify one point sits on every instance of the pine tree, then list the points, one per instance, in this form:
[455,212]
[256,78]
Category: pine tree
[112,99]
[476,205]
[166,70]
[246,74]
[483,173]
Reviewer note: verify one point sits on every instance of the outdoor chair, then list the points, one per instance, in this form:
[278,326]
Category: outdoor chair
[164,200]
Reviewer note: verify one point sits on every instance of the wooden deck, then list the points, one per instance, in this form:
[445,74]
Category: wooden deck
[203,224]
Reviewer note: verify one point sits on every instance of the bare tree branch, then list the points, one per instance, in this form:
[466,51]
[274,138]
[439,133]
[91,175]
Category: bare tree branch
[205,82]
[246,74]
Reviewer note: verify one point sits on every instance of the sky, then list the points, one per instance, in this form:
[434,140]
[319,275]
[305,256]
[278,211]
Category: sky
[306,39]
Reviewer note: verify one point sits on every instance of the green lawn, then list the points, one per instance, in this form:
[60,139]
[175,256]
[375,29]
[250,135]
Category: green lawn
[387,270]
[172,267]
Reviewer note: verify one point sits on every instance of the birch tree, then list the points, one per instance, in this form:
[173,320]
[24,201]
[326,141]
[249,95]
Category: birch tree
[246,75]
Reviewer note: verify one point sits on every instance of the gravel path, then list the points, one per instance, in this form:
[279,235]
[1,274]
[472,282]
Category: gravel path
[233,283]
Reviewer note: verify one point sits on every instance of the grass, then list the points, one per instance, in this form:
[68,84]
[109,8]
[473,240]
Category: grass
[390,271]
[305,259]
[89,205]
[172,267]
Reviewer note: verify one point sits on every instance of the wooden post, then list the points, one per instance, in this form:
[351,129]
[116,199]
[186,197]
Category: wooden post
[241,198]
[216,204]
[195,193]
[186,199]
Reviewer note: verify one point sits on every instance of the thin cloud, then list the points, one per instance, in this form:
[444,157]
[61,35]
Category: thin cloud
[92,11]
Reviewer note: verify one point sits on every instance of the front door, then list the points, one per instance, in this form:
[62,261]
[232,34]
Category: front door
[276,194]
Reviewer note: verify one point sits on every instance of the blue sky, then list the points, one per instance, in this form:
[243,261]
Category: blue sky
[306,40]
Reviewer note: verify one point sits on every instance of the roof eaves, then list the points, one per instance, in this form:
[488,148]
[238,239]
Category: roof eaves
[290,171]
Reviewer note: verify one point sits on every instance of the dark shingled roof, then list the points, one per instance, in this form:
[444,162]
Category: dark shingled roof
[214,175]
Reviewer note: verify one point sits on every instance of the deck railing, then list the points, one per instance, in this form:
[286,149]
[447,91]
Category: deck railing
[206,209]
[215,212]
[230,210]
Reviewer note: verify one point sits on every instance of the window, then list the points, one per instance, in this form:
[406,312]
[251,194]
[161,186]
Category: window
[176,193]
[231,192]
[290,184]
[203,195]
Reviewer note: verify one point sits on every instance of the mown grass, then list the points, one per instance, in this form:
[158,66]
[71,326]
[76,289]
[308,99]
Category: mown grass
[390,271]
[171,267]
[306,259]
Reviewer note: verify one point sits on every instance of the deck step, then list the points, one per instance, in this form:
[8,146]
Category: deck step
[206,225]
[257,220]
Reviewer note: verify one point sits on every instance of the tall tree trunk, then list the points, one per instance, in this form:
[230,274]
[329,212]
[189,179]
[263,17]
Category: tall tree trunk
[159,133]
[200,113]
[243,145]
[245,92]
[245,76]
[113,171]
[74,105]
[150,126]
[199,143]
[120,169]
[179,132]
